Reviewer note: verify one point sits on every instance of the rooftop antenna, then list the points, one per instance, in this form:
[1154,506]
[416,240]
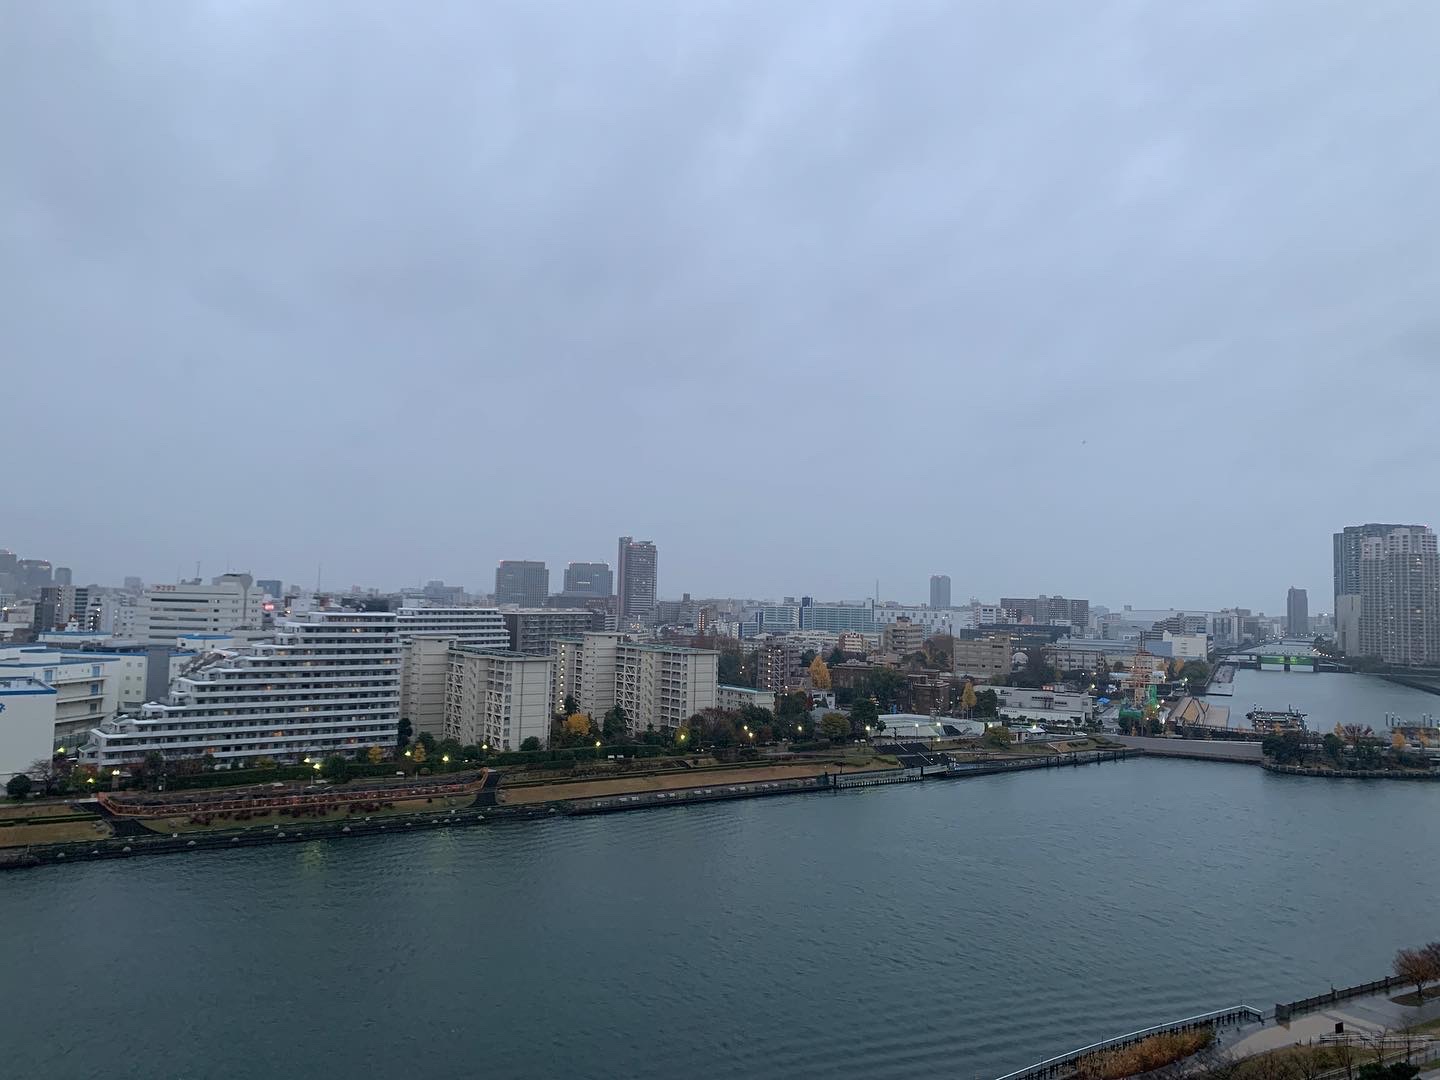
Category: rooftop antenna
[197,569]
[319,567]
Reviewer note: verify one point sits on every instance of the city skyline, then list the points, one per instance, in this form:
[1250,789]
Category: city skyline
[481,582]
[694,258]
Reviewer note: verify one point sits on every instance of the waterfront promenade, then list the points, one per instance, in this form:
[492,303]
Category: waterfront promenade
[1367,1017]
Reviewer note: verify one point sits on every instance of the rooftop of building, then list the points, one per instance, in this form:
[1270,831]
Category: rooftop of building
[23,684]
[503,654]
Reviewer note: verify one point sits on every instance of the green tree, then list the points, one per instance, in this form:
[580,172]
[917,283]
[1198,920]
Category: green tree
[571,706]
[448,748]
[1195,672]
[807,656]
[997,736]
[886,686]
[865,712]
[793,708]
[987,703]
[837,656]
[18,786]
[756,717]
[404,732]
[530,744]
[335,768]
[730,668]
[1037,670]
[834,725]
[427,740]
[269,762]
[616,724]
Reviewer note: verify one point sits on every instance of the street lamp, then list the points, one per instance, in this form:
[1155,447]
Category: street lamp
[407,753]
[445,758]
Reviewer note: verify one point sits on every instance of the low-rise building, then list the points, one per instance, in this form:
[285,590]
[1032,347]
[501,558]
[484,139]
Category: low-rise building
[1046,705]
[903,637]
[986,657]
[87,685]
[27,723]
[736,698]
[497,699]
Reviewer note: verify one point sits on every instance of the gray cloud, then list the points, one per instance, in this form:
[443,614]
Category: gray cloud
[1126,300]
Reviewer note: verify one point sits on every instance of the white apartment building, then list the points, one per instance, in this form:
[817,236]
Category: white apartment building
[167,612]
[426,634]
[736,698]
[931,620]
[658,686]
[424,672]
[87,686]
[27,723]
[480,626]
[1187,646]
[662,686]
[585,670]
[497,699]
[328,683]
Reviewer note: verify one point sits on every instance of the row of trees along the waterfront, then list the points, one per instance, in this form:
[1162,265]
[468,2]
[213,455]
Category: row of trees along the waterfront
[1349,746]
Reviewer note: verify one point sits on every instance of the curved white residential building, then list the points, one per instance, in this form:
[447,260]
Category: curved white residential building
[329,682]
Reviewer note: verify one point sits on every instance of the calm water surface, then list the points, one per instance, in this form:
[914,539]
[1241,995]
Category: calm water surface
[968,927]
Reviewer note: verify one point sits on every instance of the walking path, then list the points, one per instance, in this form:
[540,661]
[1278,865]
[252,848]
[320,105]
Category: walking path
[1362,1016]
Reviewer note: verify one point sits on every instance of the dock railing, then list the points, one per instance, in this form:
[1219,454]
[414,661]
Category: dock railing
[1064,1064]
[1284,1011]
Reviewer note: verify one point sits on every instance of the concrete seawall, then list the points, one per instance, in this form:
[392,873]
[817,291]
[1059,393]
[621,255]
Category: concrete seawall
[1245,753]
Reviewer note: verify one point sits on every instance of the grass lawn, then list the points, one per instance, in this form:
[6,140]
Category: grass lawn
[35,809]
[1295,1061]
[58,832]
[1430,1027]
[1432,993]
[181,822]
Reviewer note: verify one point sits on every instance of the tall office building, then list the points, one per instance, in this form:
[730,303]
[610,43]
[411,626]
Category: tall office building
[589,579]
[1297,613]
[521,581]
[1387,593]
[64,576]
[939,590]
[635,579]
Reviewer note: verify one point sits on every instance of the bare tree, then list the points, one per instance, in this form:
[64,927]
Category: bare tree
[1415,966]
[1345,1054]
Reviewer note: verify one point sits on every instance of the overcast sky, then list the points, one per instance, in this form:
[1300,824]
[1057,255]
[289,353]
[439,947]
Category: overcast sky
[1130,301]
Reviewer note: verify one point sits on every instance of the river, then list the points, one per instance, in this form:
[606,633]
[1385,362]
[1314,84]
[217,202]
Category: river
[966,928]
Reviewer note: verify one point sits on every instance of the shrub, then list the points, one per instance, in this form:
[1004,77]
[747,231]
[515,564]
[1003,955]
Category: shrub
[1144,1056]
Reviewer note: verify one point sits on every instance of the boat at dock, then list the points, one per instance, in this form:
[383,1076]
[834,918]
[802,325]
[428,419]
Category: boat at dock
[1276,721]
